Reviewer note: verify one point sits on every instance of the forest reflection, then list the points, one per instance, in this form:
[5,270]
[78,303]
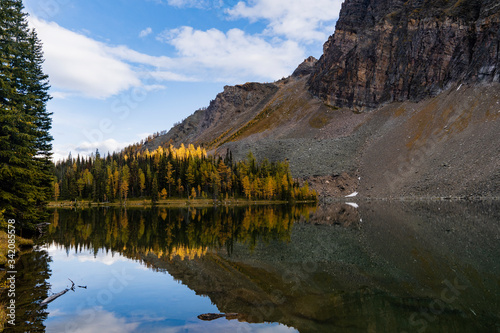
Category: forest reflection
[375,267]
[31,288]
[186,233]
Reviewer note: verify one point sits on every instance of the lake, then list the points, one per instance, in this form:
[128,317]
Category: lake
[339,267]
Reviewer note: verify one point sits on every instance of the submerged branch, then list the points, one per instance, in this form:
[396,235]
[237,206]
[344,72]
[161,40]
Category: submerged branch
[59,294]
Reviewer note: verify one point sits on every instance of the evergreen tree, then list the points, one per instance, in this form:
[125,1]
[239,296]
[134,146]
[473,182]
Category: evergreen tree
[154,190]
[25,143]
[133,173]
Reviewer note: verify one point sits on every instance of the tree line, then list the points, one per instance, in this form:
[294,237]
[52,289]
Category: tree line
[184,172]
[25,142]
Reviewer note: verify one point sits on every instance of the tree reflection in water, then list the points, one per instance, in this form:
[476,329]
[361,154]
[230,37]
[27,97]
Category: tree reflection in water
[381,267]
[169,232]
[31,288]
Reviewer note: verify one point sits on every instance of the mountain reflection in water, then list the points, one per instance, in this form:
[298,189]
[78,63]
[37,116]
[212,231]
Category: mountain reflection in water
[382,267]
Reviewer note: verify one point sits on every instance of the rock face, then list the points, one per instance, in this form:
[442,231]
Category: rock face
[230,110]
[436,61]
[395,50]
[306,67]
[235,101]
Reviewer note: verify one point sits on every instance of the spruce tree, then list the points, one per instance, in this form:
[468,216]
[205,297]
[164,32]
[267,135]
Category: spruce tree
[25,141]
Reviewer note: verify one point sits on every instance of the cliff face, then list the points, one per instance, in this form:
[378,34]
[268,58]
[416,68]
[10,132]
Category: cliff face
[437,61]
[395,50]
[233,107]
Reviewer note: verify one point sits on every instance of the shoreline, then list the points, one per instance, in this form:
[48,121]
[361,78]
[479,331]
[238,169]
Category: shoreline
[171,203]
[327,199]
[179,203]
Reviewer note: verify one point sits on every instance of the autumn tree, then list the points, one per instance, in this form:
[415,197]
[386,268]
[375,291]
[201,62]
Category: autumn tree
[56,190]
[163,194]
[124,182]
[170,176]
[142,181]
[189,170]
[247,187]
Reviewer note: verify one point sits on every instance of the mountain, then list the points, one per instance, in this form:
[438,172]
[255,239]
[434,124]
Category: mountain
[395,50]
[404,102]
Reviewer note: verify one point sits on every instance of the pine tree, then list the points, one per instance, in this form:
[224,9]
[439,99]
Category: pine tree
[25,143]
[154,190]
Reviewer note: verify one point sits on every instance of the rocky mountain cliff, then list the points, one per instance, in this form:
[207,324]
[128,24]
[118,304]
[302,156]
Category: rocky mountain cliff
[405,101]
[230,110]
[395,50]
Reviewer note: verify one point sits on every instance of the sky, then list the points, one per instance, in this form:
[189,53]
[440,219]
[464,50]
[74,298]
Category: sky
[121,70]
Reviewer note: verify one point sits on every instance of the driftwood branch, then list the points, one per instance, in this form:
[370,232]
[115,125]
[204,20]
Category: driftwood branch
[59,294]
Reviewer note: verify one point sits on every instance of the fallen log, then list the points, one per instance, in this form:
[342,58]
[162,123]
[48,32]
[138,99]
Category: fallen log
[59,294]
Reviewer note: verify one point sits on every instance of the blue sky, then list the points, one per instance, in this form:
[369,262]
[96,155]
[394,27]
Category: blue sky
[123,69]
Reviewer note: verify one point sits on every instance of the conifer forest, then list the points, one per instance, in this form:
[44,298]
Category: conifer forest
[184,172]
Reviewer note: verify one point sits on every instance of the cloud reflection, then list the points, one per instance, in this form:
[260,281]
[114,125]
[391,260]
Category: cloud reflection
[99,320]
[101,256]
[91,321]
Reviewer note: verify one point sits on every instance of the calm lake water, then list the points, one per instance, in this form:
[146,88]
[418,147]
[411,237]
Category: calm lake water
[379,267]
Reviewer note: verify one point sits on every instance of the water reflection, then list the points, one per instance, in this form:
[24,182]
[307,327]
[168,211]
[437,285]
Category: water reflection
[387,267]
[379,267]
[174,232]
[31,288]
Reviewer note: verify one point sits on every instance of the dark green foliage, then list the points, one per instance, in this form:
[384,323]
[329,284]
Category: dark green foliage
[25,142]
[180,173]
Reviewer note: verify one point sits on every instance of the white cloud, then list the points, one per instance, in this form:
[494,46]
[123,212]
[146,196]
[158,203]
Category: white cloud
[233,56]
[201,4]
[59,95]
[187,3]
[76,63]
[146,32]
[169,76]
[124,53]
[109,145]
[87,148]
[81,66]
[306,21]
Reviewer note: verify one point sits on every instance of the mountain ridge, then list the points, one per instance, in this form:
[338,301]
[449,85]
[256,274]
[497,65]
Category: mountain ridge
[394,78]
